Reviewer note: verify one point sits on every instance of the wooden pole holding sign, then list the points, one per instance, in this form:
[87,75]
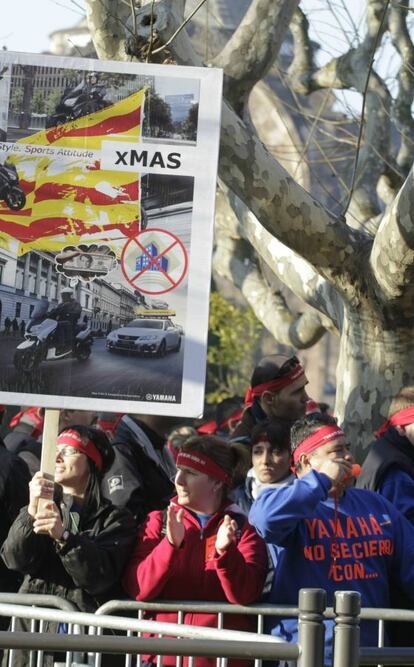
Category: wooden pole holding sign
[49,440]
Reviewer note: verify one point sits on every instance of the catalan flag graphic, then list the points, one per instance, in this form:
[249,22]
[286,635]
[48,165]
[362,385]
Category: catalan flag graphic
[69,198]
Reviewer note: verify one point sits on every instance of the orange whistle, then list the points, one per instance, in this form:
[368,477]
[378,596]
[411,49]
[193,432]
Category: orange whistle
[355,471]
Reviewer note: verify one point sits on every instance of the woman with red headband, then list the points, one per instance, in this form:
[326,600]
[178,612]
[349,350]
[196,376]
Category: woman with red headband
[202,547]
[76,546]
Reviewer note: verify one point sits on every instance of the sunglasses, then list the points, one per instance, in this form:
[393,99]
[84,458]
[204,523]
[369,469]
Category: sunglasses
[67,452]
[287,366]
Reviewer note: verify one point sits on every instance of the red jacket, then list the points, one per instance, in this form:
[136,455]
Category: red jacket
[195,571]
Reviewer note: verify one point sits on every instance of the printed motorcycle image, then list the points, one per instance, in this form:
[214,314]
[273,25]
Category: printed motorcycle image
[10,190]
[87,97]
[44,340]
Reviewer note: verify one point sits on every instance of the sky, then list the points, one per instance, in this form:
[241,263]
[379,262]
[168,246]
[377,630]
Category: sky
[26,24]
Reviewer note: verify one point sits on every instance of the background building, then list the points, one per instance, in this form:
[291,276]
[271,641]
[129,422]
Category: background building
[26,280]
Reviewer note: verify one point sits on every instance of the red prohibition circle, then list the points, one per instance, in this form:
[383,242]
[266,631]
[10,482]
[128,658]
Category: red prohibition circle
[154,260]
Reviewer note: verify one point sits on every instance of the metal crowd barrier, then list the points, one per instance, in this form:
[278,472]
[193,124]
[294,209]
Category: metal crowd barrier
[11,604]
[189,640]
[180,608]
[85,643]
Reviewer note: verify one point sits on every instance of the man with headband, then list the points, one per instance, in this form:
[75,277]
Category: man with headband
[389,466]
[389,470]
[330,535]
[277,391]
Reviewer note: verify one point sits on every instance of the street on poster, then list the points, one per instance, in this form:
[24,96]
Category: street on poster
[107,187]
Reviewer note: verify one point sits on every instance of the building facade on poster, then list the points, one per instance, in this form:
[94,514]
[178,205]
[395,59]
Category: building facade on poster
[25,281]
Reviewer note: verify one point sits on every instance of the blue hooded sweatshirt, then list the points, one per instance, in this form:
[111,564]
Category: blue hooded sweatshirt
[372,541]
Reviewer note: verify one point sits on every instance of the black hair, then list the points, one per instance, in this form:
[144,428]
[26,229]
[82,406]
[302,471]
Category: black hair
[276,432]
[93,496]
[226,408]
[271,368]
[267,369]
[303,428]
[324,408]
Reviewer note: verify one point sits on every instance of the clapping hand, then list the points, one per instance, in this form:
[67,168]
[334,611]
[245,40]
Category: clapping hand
[225,534]
[175,527]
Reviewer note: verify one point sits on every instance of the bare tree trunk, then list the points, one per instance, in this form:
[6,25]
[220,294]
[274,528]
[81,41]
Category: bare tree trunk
[375,361]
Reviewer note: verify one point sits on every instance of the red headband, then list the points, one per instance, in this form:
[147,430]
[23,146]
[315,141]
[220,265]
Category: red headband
[73,439]
[33,415]
[204,464]
[320,437]
[274,385]
[236,416]
[109,424]
[213,427]
[401,418]
[207,427]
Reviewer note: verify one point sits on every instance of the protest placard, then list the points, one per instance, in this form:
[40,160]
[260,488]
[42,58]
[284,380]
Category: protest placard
[107,189]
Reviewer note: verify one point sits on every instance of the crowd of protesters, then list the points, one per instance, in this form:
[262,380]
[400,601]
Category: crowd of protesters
[148,508]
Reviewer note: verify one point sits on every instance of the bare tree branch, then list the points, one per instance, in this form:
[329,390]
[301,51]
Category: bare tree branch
[305,226]
[162,19]
[300,330]
[107,21]
[233,260]
[182,26]
[302,65]
[403,103]
[392,256]
[117,36]
[252,49]
[350,70]
[235,221]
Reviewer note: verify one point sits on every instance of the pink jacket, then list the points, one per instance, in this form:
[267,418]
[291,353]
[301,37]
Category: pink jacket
[195,571]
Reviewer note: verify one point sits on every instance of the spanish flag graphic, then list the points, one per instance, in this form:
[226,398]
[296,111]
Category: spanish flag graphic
[68,197]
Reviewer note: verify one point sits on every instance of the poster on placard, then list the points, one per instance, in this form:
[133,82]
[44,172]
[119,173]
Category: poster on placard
[107,189]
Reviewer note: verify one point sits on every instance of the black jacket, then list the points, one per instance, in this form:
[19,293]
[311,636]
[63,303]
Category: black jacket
[14,494]
[137,480]
[30,450]
[251,417]
[67,310]
[87,570]
[390,451]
